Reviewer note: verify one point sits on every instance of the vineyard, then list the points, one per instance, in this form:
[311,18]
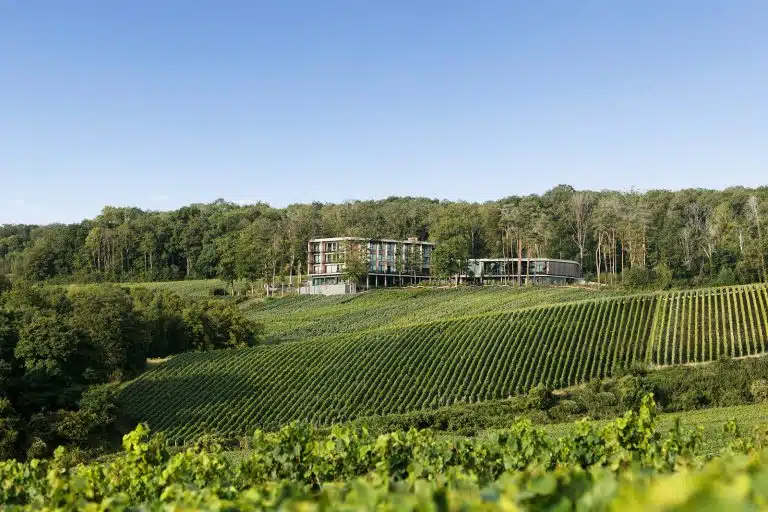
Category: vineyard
[627,464]
[336,378]
[296,318]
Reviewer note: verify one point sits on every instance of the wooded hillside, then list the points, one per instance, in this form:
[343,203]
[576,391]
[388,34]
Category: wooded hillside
[652,238]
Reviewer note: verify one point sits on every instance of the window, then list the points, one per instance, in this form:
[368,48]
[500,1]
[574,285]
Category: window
[331,246]
[316,258]
[315,246]
[316,269]
[331,269]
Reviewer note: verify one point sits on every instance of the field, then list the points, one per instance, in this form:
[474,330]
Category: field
[296,318]
[327,379]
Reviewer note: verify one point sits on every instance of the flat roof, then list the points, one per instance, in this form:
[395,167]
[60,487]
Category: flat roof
[388,240]
[477,260]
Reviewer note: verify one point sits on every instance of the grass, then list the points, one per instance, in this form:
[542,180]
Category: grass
[191,289]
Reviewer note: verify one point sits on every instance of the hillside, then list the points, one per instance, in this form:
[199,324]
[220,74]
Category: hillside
[297,318]
[428,365]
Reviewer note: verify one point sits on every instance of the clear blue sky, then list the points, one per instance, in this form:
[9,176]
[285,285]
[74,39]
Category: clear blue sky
[160,103]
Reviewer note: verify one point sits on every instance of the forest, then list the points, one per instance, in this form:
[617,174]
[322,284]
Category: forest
[656,239]
[63,352]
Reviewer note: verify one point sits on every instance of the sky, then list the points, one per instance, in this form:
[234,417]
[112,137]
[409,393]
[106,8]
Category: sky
[158,104]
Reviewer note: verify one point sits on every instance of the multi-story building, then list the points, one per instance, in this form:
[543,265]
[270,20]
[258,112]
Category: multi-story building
[531,270]
[388,262]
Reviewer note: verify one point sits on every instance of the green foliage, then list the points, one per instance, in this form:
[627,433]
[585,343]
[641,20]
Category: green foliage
[626,463]
[726,277]
[5,283]
[662,276]
[106,315]
[485,357]
[215,324]
[759,390]
[298,318]
[9,429]
[637,278]
[630,390]
[540,397]
[56,343]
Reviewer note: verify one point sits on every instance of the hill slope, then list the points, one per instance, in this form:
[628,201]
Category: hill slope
[336,378]
[296,318]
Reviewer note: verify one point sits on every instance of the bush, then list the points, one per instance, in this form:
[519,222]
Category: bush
[637,277]
[566,410]
[38,449]
[540,398]
[605,399]
[726,277]
[689,400]
[9,430]
[731,397]
[662,276]
[5,283]
[630,391]
[759,390]
[218,292]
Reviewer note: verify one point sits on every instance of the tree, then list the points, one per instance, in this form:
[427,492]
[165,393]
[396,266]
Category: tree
[754,215]
[231,262]
[115,334]
[215,324]
[580,209]
[355,266]
[516,220]
[454,231]
[52,352]
[606,217]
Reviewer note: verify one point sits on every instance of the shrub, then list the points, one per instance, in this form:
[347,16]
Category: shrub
[5,283]
[566,410]
[630,391]
[605,399]
[726,277]
[637,277]
[759,390]
[731,397]
[689,400]
[540,398]
[37,450]
[662,276]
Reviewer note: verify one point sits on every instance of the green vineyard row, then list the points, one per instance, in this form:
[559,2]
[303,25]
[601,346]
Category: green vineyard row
[332,379]
[302,317]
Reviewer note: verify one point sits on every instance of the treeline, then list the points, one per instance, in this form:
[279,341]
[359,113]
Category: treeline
[62,351]
[643,239]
